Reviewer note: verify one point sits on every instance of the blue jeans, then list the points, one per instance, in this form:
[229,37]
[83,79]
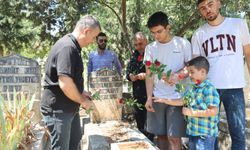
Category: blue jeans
[201,142]
[234,104]
[65,130]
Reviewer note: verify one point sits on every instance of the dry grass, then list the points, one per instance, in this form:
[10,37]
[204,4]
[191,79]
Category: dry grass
[15,127]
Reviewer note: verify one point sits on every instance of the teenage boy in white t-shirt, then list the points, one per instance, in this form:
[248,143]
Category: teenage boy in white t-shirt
[165,121]
[224,41]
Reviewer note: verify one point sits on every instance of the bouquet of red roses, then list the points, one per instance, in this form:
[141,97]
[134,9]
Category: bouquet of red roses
[156,68]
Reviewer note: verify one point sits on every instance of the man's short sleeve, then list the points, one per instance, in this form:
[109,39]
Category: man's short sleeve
[245,37]
[66,60]
[196,48]
[148,56]
[187,51]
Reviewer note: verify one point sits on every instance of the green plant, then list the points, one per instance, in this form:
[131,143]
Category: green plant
[95,96]
[15,121]
[130,102]
[185,90]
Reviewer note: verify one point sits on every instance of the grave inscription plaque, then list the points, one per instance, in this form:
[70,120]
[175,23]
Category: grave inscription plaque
[109,83]
[20,74]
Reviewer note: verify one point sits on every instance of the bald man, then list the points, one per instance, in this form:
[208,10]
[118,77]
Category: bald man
[63,85]
[136,74]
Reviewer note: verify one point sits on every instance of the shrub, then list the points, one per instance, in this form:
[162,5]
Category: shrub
[15,121]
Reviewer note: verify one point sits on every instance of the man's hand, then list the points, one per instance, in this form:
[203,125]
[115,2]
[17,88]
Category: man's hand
[149,105]
[87,104]
[141,76]
[87,95]
[133,77]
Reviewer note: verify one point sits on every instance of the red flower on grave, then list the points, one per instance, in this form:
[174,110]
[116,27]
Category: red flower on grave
[139,58]
[148,63]
[157,63]
[120,101]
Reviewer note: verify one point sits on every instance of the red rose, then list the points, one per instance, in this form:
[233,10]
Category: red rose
[148,63]
[139,58]
[197,82]
[181,76]
[120,101]
[157,63]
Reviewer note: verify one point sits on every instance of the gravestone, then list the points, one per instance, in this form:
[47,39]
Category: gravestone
[19,74]
[109,83]
[112,134]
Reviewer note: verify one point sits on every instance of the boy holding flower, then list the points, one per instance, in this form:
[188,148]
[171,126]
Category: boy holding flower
[167,52]
[202,108]
[203,116]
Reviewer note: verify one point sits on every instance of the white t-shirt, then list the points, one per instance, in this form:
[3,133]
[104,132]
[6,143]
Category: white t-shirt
[174,54]
[223,47]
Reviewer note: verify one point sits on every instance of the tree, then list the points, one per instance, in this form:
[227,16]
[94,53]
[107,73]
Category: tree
[32,26]
[16,31]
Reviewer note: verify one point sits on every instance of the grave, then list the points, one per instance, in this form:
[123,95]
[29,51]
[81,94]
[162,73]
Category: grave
[19,74]
[109,83]
[115,135]
[106,130]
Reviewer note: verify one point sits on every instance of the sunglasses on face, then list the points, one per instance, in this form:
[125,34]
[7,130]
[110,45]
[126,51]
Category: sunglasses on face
[102,40]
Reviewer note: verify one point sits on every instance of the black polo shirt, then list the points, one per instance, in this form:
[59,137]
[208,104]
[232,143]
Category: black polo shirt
[64,59]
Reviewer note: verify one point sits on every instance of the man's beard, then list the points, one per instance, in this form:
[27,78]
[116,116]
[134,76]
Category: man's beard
[102,46]
[212,18]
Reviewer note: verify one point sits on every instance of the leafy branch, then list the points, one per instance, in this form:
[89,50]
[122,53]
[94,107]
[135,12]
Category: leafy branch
[130,102]
[95,96]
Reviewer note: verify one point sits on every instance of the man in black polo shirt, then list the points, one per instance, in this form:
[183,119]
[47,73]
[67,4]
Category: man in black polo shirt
[63,87]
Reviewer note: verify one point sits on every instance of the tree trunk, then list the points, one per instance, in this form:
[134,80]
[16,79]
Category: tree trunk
[125,40]
[124,27]
[136,17]
[192,20]
[1,51]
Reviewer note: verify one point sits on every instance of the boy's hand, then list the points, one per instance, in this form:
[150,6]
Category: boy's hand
[186,111]
[159,100]
[164,77]
[149,105]
[171,80]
